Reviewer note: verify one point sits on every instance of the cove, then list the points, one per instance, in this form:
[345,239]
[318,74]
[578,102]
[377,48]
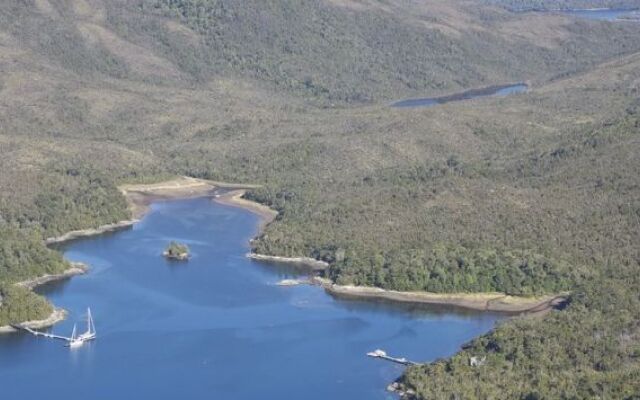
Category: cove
[499,90]
[218,326]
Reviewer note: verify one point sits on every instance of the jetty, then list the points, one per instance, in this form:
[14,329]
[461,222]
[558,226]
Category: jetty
[74,340]
[39,333]
[383,355]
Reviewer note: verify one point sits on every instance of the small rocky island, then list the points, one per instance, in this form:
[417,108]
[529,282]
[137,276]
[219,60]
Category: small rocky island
[177,251]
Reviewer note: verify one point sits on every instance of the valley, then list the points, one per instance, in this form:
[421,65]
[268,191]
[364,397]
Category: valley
[530,194]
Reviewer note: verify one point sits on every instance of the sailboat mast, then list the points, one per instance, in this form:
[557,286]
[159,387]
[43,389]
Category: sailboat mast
[91,325]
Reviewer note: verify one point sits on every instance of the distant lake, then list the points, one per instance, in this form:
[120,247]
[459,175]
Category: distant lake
[500,90]
[602,14]
[218,326]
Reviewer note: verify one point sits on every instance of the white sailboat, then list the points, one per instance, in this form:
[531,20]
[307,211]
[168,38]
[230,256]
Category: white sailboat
[78,340]
[74,341]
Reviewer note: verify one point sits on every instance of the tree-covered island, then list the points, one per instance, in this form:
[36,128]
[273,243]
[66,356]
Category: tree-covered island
[177,251]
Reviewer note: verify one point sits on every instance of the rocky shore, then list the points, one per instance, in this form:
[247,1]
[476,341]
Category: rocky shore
[306,262]
[81,233]
[140,196]
[56,316]
[293,282]
[495,302]
[76,269]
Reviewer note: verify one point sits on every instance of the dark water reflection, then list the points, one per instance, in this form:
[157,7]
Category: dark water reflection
[218,326]
[500,90]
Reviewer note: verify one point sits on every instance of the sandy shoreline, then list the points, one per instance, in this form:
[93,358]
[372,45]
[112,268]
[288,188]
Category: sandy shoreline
[140,196]
[494,302]
[472,301]
[234,198]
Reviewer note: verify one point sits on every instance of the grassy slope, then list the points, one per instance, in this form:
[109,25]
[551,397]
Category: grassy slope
[525,194]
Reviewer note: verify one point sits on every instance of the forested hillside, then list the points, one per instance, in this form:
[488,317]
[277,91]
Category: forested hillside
[358,51]
[330,51]
[526,194]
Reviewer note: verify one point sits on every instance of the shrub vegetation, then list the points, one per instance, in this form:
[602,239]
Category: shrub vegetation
[527,194]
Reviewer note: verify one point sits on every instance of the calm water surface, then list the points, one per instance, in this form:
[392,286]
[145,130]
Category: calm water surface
[216,327]
[503,90]
[602,14]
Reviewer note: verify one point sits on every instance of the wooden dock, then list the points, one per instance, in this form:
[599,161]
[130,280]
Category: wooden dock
[39,333]
[74,341]
[383,355]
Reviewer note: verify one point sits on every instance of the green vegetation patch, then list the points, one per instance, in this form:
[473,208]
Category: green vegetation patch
[454,269]
[19,304]
[23,256]
[589,351]
[177,251]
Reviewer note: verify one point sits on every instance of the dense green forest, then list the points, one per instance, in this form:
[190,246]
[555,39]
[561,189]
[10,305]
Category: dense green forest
[527,194]
[68,198]
[591,350]
[23,256]
[58,208]
[20,304]
[454,269]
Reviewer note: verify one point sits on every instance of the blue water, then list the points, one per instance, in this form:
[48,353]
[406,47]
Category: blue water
[512,89]
[216,327]
[600,14]
[467,95]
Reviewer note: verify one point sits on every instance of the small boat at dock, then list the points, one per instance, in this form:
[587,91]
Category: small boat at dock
[90,334]
[383,355]
[76,340]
